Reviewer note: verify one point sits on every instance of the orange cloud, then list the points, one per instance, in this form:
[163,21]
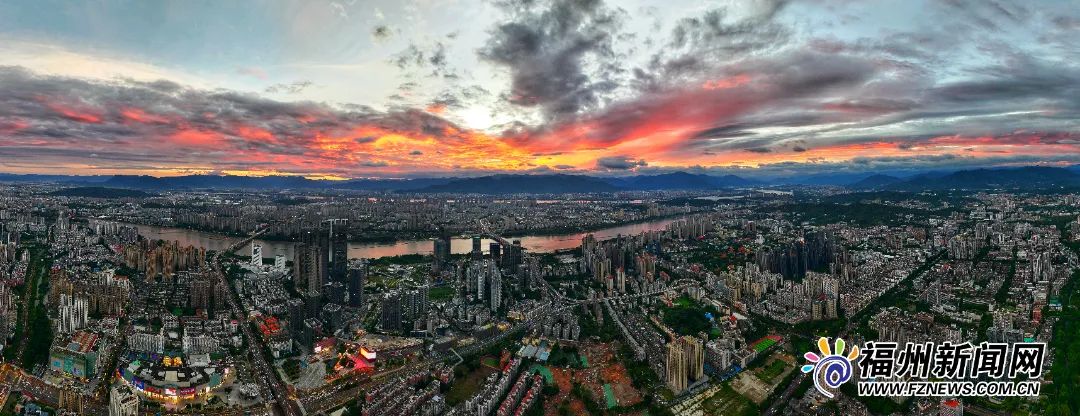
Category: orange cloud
[436,108]
[74,114]
[195,138]
[139,116]
[253,133]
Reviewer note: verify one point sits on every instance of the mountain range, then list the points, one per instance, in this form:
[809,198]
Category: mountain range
[1029,177]
[875,181]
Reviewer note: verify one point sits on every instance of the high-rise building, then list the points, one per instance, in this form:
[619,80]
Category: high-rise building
[695,356]
[442,248]
[313,331]
[390,312]
[312,304]
[414,304]
[477,250]
[357,278]
[495,250]
[256,254]
[495,291]
[74,312]
[335,292]
[279,263]
[441,252]
[335,242]
[296,317]
[309,263]
[515,255]
[332,317]
[675,367]
[199,293]
[123,401]
[685,362]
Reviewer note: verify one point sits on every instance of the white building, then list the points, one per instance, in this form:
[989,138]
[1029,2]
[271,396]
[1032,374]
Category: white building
[123,401]
[279,263]
[256,255]
[74,313]
[143,342]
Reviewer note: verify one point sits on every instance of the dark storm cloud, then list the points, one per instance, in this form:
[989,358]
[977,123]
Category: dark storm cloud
[1066,22]
[619,163]
[140,122]
[989,14]
[700,44]
[544,47]
[381,32]
[430,60]
[723,132]
[774,96]
[1019,77]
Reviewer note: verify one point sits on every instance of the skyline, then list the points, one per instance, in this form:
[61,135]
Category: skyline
[381,89]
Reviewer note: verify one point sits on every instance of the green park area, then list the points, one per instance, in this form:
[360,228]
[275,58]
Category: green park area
[687,316]
[33,331]
[441,293]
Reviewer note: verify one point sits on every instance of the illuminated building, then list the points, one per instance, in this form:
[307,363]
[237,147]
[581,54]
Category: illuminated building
[173,378]
[78,357]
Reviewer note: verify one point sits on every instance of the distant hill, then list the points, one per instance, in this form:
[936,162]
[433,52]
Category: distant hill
[536,184]
[390,184]
[213,182]
[682,180]
[875,181]
[12,177]
[267,182]
[821,179]
[1030,177]
[101,192]
[1033,177]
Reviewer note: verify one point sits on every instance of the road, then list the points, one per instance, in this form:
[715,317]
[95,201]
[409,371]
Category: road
[271,388]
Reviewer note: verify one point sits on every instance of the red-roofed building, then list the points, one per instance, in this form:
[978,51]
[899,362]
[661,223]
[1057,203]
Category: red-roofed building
[951,407]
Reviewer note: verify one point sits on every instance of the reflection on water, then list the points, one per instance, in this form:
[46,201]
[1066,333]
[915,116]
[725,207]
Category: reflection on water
[536,243]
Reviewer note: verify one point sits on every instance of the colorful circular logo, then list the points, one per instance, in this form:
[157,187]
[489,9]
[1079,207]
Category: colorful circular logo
[832,368]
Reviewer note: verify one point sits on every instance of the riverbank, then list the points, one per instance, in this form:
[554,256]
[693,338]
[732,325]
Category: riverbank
[537,243]
[405,237]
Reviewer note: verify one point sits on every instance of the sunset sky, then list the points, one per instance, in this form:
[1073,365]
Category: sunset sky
[406,88]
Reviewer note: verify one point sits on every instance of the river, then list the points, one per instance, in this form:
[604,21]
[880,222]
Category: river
[533,243]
